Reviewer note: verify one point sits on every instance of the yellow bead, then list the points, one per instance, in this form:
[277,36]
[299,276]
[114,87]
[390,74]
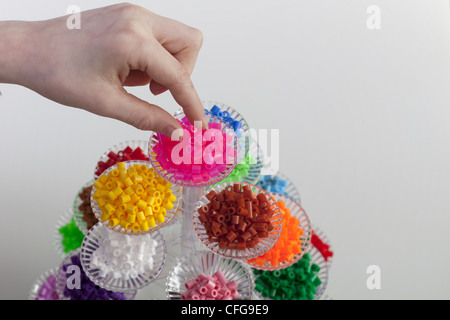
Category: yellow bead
[160,218]
[98,184]
[167,204]
[126,225]
[109,209]
[131,217]
[129,190]
[127,181]
[141,204]
[97,194]
[143,225]
[167,185]
[104,216]
[158,201]
[111,195]
[129,208]
[151,221]
[135,227]
[132,170]
[140,216]
[121,166]
[163,211]
[138,189]
[125,198]
[101,202]
[118,183]
[103,178]
[160,188]
[114,173]
[109,185]
[151,200]
[172,198]
[118,191]
[156,208]
[148,211]
[137,178]
[135,198]
[121,215]
[114,222]
[155,193]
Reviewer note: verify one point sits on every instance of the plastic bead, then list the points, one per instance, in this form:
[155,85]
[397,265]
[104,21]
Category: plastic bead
[288,244]
[88,291]
[85,207]
[129,207]
[228,222]
[191,159]
[72,237]
[297,282]
[122,155]
[215,287]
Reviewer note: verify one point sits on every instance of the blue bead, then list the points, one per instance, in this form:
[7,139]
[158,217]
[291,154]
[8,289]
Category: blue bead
[237,125]
[282,182]
[226,114]
[215,110]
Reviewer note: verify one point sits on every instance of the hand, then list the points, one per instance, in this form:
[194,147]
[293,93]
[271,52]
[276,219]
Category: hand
[116,46]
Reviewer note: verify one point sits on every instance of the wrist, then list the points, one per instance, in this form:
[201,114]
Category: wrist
[15,50]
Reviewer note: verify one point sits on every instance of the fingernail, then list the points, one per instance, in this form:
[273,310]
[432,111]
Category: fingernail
[170,130]
[205,124]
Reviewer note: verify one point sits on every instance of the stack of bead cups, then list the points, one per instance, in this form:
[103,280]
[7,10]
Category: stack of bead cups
[231,129]
[124,251]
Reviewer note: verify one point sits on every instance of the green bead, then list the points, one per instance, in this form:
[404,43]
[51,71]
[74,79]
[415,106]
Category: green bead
[259,287]
[257,272]
[317,282]
[275,283]
[291,275]
[302,263]
[315,268]
[277,273]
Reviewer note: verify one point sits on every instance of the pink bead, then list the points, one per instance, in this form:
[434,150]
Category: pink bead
[234,293]
[232,285]
[221,277]
[190,284]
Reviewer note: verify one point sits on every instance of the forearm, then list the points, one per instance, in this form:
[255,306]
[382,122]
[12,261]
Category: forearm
[15,50]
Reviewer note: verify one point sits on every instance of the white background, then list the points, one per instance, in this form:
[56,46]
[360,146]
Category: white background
[364,132]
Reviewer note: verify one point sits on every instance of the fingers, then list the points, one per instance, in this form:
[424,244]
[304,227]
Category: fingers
[167,71]
[128,108]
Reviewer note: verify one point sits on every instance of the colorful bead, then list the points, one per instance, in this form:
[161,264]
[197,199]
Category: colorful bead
[121,156]
[199,156]
[215,287]
[297,282]
[88,289]
[72,237]
[131,206]
[227,220]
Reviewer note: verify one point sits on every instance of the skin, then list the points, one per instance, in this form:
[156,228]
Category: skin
[88,68]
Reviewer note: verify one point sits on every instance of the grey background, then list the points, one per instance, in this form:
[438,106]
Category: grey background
[364,132]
